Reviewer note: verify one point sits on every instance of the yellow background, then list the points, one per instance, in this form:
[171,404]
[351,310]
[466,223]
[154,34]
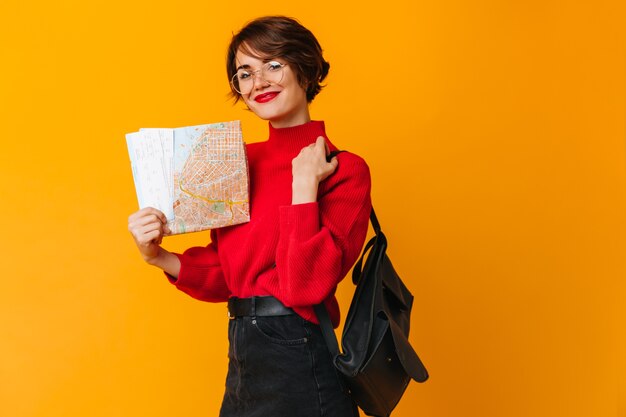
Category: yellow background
[494,131]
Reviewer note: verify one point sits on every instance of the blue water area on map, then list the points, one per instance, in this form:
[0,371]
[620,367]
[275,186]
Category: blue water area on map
[184,138]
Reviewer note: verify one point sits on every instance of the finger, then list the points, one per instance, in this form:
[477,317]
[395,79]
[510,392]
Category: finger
[159,214]
[143,218]
[142,233]
[135,216]
[152,237]
[152,226]
[146,220]
[320,144]
[153,211]
[334,163]
[142,212]
[145,239]
[307,148]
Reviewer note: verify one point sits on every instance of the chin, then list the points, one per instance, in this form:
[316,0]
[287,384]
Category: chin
[266,113]
[279,110]
[269,116]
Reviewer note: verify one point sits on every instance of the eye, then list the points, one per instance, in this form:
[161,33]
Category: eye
[274,66]
[242,75]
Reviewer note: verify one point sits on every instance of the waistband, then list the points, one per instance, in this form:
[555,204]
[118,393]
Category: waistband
[257,307]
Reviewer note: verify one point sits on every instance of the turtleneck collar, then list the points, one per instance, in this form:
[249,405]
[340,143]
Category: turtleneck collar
[293,139]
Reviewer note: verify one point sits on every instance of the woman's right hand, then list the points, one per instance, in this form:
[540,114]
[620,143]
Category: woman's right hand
[148,226]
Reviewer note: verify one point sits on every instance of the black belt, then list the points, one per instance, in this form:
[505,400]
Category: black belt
[256,307]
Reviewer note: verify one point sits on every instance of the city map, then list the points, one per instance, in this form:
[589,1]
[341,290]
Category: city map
[196,175]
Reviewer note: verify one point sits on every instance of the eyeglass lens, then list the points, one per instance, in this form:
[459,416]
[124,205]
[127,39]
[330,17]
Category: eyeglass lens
[243,81]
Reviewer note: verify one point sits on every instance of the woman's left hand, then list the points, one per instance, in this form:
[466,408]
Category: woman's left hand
[310,168]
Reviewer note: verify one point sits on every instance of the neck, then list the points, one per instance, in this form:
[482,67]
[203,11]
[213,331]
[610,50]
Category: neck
[295,120]
[292,139]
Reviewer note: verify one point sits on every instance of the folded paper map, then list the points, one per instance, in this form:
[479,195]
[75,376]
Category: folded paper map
[196,175]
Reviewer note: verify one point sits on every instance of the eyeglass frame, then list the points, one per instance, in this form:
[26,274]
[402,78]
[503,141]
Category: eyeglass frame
[259,74]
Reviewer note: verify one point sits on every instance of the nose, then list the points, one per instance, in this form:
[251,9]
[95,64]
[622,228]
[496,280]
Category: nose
[259,81]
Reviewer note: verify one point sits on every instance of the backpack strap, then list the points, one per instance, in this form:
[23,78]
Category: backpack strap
[326,324]
[327,330]
[328,333]
[374,221]
[373,218]
[332,155]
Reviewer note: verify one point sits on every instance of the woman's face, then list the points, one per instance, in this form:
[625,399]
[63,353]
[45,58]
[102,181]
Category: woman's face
[283,104]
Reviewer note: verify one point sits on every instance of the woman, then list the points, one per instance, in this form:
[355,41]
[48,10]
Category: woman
[308,222]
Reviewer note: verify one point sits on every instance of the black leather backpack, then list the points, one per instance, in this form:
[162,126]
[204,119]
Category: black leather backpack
[377,362]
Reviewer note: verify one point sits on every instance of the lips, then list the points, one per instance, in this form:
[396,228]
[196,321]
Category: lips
[265,97]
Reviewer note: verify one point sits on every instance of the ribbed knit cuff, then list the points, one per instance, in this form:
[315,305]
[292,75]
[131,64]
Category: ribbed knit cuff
[299,221]
[188,273]
[199,278]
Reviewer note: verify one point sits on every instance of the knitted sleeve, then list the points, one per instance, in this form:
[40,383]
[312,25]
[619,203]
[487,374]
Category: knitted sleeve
[201,274]
[319,242]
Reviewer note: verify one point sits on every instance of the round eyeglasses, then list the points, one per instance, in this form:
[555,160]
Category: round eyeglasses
[243,80]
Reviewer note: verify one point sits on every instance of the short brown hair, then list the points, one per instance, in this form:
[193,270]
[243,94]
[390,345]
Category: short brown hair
[281,37]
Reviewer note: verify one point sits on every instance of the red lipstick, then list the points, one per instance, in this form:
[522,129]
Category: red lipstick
[265,97]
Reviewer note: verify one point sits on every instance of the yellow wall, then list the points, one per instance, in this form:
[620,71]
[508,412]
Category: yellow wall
[495,135]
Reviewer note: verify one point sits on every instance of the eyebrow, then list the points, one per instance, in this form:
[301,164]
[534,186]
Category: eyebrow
[246,66]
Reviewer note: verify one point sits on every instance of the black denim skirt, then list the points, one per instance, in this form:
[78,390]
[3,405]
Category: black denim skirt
[280,366]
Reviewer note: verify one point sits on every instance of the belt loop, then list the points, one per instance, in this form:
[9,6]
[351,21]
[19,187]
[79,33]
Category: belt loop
[228,307]
[253,306]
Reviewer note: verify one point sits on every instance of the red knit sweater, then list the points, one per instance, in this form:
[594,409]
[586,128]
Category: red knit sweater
[297,253]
